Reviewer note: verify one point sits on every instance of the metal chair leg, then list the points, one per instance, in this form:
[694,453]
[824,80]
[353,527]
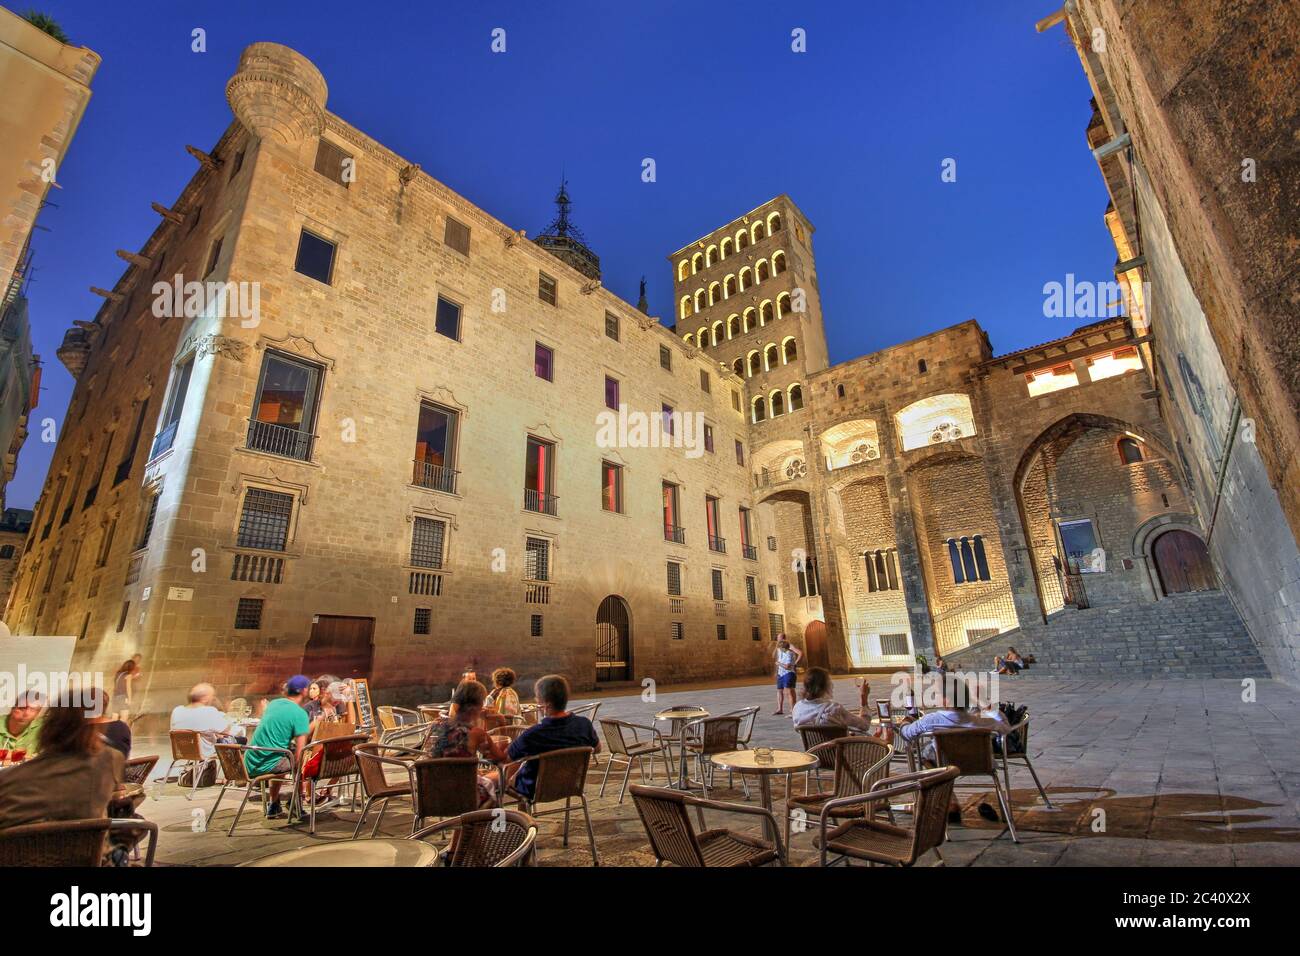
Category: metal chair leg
[248,790]
[626,776]
[609,765]
[380,819]
[567,802]
[1041,792]
[365,811]
[1006,808]
[213,812]
[591,834]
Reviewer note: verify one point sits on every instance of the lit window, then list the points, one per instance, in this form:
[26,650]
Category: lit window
[1114,363]
[1051,380]
[1079,542]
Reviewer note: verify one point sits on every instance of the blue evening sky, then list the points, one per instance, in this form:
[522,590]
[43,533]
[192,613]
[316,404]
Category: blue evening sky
[855,130]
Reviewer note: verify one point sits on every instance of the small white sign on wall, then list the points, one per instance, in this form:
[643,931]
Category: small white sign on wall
[144,595]
[180,594]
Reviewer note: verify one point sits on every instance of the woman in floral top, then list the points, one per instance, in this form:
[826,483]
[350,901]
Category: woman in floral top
[504,699]
[462,735]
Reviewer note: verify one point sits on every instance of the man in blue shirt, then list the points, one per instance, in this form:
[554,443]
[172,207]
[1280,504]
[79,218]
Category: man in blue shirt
[557,730]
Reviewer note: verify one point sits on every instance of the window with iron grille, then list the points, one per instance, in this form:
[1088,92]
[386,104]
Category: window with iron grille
[775,625]
[717,584]
[676,630]
[893,645]
[535,625]
[248,616]
[722,632]
[751,589]
[771,592]
[705,384]
[315,257]
[427,538]
[674,578]
[537,559]
[611,325]
[148,522]
[755,633]
[546,289]
[456,236]
[264,522]
[665,357]
[121,620]
[771,543]
[334,163]
[423,618]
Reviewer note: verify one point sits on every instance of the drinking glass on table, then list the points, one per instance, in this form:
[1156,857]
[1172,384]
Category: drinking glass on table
[4,756]
[18,756]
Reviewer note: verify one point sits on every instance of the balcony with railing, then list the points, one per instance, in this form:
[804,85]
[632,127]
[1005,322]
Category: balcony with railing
[435,477]
[537,592]
[675,534]
[750,552]
[717,544]
[257,568]
[541,502]
[283,440]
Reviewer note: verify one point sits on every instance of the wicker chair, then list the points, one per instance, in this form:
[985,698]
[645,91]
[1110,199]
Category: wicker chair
[444,787]
[375,785]
[970,751]
[509,730]
[137,769]
[432,713]
[813,736]
[589,711]
[487,838]
[68,842]
[878,841]
[405,735]
[392,718]
[674,839]
[231,757]
[707,736]
[186,751]
[561,775]
[337,764]
[1022,757]
[860,762]
[626,744]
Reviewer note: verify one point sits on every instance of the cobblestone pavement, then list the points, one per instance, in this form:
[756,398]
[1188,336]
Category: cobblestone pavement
[1144,773]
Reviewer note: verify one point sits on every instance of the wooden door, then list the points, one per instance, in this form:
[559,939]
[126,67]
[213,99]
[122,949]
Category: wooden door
[814,645]
[1183,563]
[340,646]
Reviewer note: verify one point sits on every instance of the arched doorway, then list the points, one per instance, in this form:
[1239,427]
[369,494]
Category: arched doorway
[814,644]
[613,640]
[1183,563]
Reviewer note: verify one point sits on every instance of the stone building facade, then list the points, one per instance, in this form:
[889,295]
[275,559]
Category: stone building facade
[409,440]
[1193,127]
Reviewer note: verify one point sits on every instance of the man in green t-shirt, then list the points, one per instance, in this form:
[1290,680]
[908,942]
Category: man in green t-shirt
[284,726]
[22,725]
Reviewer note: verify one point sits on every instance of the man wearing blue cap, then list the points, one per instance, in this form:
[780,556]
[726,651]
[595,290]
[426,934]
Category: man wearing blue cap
[284,726]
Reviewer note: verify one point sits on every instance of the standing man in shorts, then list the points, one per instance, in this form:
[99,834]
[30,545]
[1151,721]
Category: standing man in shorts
[284,726]
[787,659]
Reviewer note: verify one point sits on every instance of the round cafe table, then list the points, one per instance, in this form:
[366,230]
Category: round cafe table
[782,762]
[679,717]
[381,851]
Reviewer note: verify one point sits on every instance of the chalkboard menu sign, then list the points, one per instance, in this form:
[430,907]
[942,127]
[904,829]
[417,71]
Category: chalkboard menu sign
[365,706]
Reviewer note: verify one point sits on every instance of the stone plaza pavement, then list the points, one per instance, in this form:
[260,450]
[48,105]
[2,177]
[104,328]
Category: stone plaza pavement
[1184,770]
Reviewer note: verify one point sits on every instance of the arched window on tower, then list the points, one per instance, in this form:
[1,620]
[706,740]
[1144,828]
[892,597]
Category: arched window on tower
[766,312]
[696,261]
[782,306]
[778,262]
[733,326]
[761,271]
[739,367]
[774,223]
[790,351]
[759,232]
[778,403]
[754,361]
[770,357]
[751,319]
[742,240]
[1129,450]
[729,286]
[759,409]
[796,397]
[726,247]
[711,256]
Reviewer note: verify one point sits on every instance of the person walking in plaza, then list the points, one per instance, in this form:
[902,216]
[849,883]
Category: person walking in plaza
[284,726]
[787,658]
[123,687]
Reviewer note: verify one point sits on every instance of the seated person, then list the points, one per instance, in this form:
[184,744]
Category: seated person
[201,714]
[331,704]
[72,776]
[1012,664]
[462,735]
[284,726]
[953,714]
[503,699]
[112,731]
[21,728]
[818,705]
[555,731]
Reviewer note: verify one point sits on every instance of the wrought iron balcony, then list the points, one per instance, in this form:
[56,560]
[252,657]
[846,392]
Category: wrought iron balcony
[541,502]
[674,533]
[717,544]
[437,477]
[283,440]
[750,551]
[163,441]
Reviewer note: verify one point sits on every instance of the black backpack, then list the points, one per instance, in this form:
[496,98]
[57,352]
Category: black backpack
[1013,715]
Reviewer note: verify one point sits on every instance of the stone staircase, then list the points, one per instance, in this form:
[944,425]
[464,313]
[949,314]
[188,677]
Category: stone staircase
[1186,635]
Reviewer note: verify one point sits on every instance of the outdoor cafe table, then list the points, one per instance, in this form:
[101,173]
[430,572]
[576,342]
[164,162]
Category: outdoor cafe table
[781,761]
[381,851]
[679,717]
